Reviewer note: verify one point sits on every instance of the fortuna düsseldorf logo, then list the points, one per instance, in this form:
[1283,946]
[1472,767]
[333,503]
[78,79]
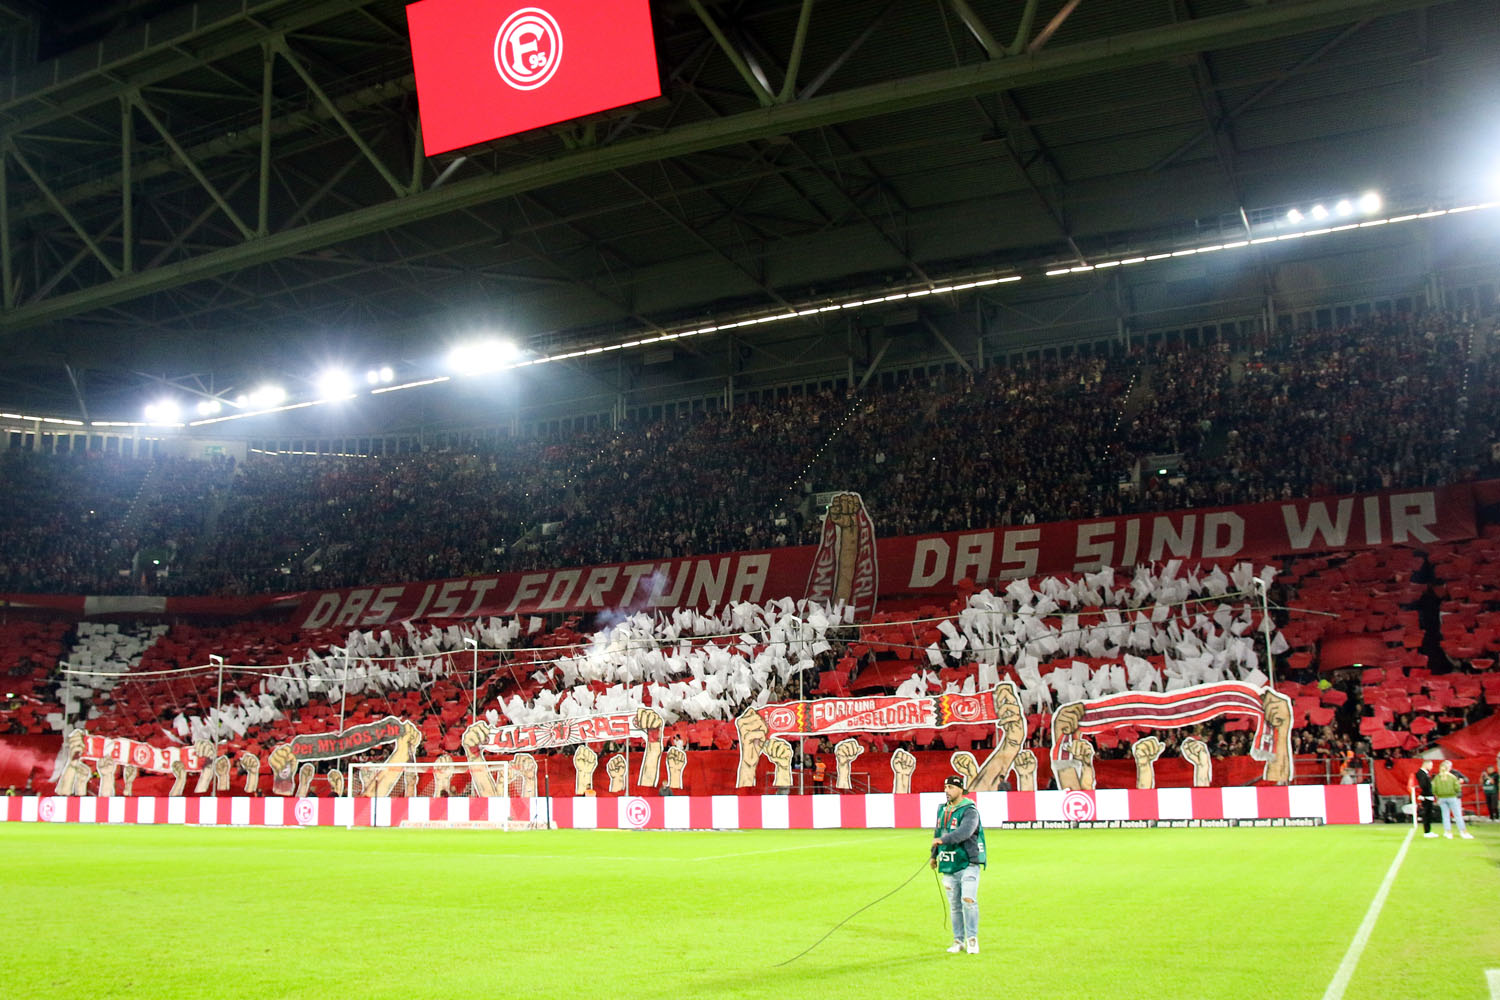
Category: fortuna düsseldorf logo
[637,813]
[528,48]
[1077,805]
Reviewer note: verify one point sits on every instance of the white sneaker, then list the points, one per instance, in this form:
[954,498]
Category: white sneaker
[956,948]
[1467,835]
[973,946]
[1448,836]
[1430,836]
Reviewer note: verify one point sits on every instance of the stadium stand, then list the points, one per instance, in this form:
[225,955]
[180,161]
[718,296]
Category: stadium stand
[1051,440]
[1054,440]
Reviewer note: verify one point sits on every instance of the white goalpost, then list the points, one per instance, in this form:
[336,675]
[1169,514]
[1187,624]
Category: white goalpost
[444,796]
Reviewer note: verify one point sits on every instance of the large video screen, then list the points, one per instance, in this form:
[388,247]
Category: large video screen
[492,68]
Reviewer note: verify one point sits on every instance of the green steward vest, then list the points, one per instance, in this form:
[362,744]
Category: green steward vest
[953,857]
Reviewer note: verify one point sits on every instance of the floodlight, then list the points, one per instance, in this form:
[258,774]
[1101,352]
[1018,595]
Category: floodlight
[387,373]
[1319,212]
[1294,216]
[482,356]
[335,383]
[208,407]
[267,396]
[164,411]
[380,376]
[1370,202]
[1344,208]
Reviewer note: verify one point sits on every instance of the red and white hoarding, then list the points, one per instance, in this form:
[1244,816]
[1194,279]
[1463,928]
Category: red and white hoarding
[491,68]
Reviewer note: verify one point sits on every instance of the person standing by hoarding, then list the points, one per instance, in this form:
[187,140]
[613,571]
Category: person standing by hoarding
[958,855]
[1424,800]
[1447,788]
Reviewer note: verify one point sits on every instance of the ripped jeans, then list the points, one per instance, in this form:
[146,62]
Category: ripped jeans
[963,901]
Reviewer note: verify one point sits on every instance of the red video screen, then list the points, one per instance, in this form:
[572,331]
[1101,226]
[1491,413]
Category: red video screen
[492,68]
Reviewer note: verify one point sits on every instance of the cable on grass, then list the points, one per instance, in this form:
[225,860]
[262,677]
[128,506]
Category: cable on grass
[856,913]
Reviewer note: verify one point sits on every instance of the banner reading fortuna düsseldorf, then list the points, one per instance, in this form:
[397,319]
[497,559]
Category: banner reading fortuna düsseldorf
[926,564]
[883,714]
[563,733]
[492,68]
[142,755]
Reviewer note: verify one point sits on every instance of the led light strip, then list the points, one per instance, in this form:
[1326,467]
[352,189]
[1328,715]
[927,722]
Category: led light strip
[44,420]
[990,278]
[1058,272]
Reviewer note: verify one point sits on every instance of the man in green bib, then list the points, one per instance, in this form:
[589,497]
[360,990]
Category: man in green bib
[958,855]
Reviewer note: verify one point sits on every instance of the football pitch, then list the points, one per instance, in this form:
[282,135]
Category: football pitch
[179,912]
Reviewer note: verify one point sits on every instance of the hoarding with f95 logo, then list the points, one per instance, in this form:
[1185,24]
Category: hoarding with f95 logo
[491,68]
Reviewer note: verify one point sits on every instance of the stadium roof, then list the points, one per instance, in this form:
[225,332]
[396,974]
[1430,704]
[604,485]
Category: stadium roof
[801,152]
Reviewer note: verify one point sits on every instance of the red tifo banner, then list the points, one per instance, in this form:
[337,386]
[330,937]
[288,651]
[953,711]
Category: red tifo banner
[1174,710]
[142,755]
[881,714]
[926,564]
[563,733]
[354,740]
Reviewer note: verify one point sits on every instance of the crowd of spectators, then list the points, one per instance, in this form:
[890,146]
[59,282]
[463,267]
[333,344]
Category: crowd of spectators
[1381,404]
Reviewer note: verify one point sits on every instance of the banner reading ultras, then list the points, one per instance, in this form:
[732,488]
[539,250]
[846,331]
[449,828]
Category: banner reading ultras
[492,68]
[927,564]
[563,733]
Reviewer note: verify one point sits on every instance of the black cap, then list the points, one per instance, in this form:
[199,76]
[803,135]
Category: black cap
[954,779]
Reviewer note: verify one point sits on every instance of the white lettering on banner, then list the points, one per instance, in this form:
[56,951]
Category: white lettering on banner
[426,597]
[1300,533]
[354,605]
[1213,525]
[750,578]
[1132,542]
[1411,516]
[479,589]
[929,563]
[560,591]
[446,605]
[706,584]
[975,552]
[564,732]
[322,612]
[1094,555]
[529,587]
[1164,536]
[1372,520]
[600,580]
[933,551]
[382,606]
[1012,553]
[660,597]
[633,576]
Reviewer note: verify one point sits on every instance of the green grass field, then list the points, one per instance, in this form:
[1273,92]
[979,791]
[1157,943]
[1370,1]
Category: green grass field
[174,912]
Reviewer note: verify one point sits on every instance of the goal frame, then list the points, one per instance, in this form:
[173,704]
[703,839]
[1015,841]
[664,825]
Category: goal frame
[521,813]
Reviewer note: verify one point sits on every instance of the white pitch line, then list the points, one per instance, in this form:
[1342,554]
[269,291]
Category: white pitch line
[1493,975]
[1345,971]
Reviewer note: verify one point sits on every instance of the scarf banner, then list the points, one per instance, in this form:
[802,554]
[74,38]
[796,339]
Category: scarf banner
[1170,710]
[564,733]
[142,755]
[355,740]
[882,714]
